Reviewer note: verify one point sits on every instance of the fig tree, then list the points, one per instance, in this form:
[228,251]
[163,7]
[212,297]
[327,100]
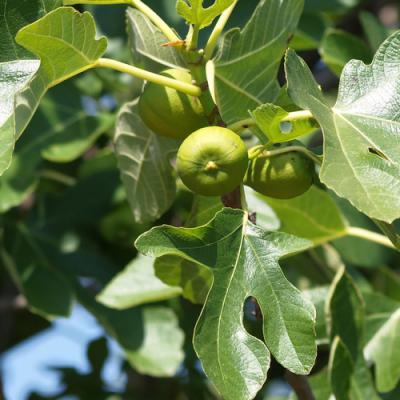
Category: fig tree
[168,112]
[282,176]
[212,161]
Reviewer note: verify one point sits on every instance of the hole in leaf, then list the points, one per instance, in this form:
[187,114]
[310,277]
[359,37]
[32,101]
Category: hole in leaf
[378,153]
[252,317]
[208,3]
[286,127]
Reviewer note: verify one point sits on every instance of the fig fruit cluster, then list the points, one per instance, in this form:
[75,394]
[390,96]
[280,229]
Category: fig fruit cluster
[211,160]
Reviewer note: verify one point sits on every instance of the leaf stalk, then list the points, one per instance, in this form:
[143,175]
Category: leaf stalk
[155,19]
[217,31]
[140,73]
[390,231]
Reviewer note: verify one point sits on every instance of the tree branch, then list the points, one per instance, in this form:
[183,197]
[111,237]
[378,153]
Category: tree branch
[300,385]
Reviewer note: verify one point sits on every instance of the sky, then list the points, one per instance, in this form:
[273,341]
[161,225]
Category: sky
[25,367]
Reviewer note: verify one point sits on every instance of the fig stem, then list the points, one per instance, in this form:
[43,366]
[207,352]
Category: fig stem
[359,233]
[193,38]
[211,166]
[298,115]
[155,19]
[140,73]
[371,236]
[217,31]
[390,232]
[138,4]
[299,149]
[244,124]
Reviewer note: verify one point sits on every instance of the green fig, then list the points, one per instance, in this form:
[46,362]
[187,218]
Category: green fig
[282,176]
[212,161]
[168,112]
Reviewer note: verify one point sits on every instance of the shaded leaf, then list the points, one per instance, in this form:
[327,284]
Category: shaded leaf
[136,284]
[45,288]
[356,251]
[375,32]
[384,350]
[144,165]
[194,279]
[146,42]
[60,116]
[345,313]
[362,385]
[150,336]
[318,297]
[14,14]
[309,32]
[338,47]
[341,367]
[313,215]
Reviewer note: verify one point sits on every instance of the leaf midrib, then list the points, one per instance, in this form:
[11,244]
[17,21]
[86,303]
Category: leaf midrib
[244,224]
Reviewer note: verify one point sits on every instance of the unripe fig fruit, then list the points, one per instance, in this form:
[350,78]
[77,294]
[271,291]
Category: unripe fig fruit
[282,176]
[168,112]
[212,161]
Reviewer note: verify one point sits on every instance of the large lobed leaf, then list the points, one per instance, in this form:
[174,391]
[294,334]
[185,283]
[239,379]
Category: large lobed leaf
[244,260]
[65,42]
[247,63]
[361,132]
[145,168]
[17,65]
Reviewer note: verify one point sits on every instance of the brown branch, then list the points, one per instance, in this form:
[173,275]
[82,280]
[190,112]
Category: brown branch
[233,199]
[13,303]
[300,385]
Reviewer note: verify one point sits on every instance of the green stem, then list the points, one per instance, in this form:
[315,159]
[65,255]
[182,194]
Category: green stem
[197,68]
[138,4]
[149,76]
[298,115]
[155,19]
[390,231]
[243,199]
[357,232]
[249,122]
[57,177]
[289,149]
[217,31]
[371,236]
[193,38]
[242,125]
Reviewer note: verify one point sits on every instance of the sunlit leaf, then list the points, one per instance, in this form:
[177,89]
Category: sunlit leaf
[244,259]
[361,158]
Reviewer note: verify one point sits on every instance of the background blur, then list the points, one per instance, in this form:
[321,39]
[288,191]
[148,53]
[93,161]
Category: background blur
[72,358]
